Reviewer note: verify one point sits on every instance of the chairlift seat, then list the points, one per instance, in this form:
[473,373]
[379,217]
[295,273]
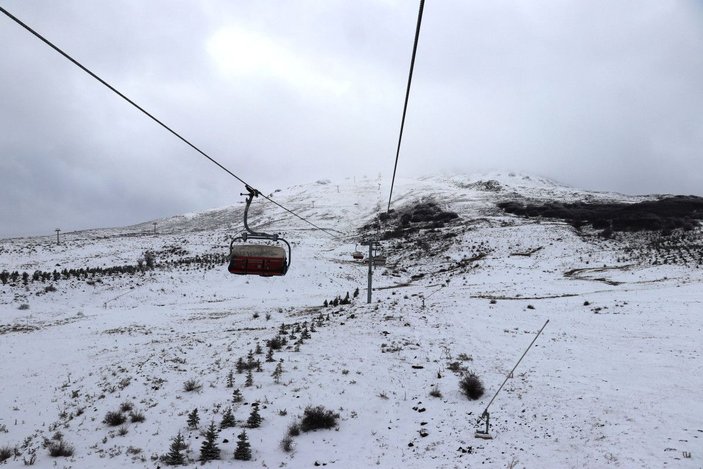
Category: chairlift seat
[253,259]
[358,255]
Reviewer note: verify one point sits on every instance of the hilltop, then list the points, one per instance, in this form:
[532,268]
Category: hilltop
[128,322]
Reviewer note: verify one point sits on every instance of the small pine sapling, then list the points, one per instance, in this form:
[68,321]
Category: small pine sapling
[258,349]
[243,451]
[269,356]
[240,366]
[228,420]
[193,419]
[174,456]
[258,366]
[237,396]
[277,373]
[254,420]
[250,379]
[230,379]
[209,450]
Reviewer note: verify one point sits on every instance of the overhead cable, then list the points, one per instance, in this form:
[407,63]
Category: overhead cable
[151,116]
[407,96]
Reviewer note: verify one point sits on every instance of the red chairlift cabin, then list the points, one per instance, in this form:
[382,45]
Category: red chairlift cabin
[257,259]
[266,261]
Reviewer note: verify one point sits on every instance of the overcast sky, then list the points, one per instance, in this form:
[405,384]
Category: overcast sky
[599,94]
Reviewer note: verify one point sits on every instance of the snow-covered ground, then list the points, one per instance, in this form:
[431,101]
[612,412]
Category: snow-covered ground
[614,380]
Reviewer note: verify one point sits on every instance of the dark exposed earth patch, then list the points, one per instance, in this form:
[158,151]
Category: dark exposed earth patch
[411,219]
[664,215]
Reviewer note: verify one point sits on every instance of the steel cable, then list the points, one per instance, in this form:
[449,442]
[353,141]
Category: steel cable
[407,96]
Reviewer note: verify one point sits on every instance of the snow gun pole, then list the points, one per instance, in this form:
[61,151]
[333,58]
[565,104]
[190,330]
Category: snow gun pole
[485,414]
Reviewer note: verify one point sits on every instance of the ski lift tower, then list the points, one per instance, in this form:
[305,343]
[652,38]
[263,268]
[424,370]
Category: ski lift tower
[371,243]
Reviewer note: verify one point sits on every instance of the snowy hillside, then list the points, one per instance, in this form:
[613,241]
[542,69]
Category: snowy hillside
[92,335]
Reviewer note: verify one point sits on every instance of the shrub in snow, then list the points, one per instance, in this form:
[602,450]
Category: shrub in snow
[250,379]
[435,392]
[149,259]
[237,396]
[287,444]
[294,429]
[6,453]
[243,451]
[315,418]
[471,386]
[276,343]
[114,419]
[126,406]
[192,385]
[136,417]
[59,448]
[23,306]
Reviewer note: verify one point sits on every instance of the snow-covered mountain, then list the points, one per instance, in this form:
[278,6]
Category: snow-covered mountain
[615,378]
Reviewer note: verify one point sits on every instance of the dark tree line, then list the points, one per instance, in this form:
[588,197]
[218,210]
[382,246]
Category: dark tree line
[148,262]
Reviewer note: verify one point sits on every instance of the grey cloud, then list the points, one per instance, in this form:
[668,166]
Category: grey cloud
[601,95]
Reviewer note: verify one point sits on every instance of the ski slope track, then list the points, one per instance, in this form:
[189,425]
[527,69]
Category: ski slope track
[615,379]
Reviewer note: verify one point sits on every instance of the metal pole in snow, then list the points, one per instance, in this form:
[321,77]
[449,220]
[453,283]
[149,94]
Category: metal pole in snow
[485,412]
[57,236]
[368,299]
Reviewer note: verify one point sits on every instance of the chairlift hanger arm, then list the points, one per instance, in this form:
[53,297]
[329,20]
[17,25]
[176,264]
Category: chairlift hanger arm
[251,233]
